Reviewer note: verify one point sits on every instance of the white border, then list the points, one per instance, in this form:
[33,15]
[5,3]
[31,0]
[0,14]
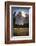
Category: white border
[30,25]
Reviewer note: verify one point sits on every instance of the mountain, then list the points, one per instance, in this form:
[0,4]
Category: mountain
[21,18]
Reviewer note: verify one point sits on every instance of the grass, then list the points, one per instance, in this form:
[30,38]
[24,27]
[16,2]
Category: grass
[21,31]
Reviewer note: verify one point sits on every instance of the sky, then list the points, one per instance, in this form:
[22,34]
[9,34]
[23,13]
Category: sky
[17,9]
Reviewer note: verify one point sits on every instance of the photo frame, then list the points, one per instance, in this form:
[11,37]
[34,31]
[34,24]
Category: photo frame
[19,22]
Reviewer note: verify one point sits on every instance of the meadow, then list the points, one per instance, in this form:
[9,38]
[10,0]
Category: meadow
[21,31]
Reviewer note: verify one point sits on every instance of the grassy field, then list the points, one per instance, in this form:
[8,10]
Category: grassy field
[21,31]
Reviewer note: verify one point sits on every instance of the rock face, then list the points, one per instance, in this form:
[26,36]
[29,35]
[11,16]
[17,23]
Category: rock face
[21,19]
